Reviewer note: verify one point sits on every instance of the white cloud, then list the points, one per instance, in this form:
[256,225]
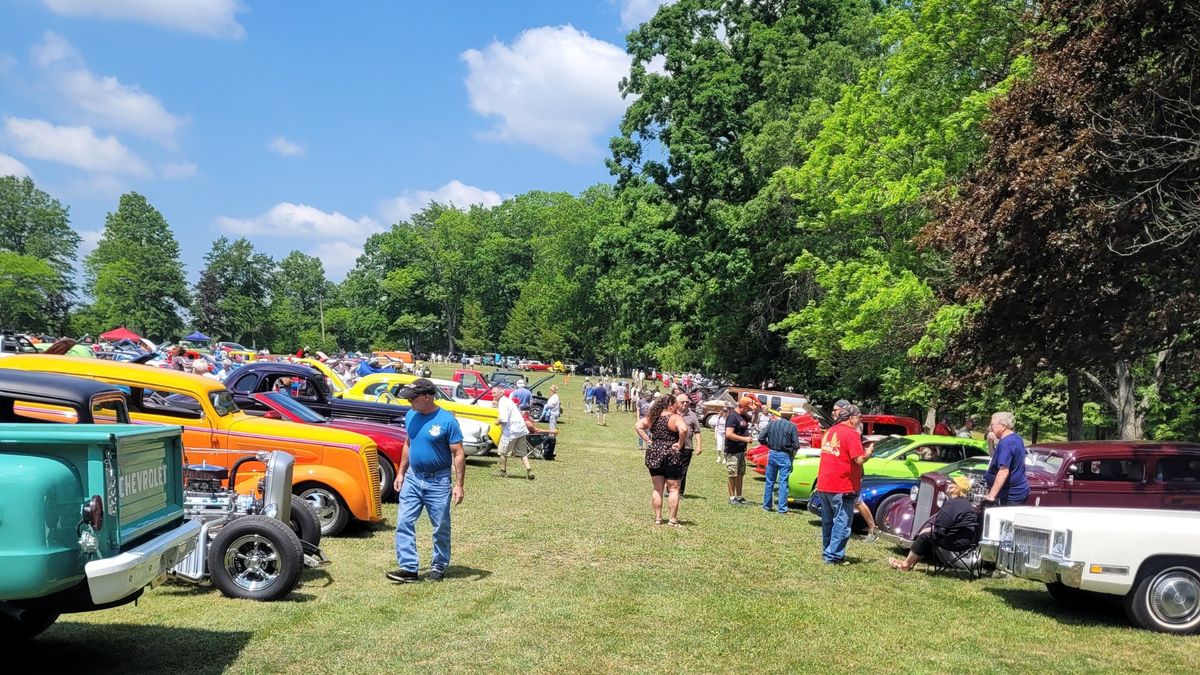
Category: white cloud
[79,147]
[105,101]
[286,219]
[454,193]
[337,257]
[215,18]
[554,88]
[88,241]
[177,170]
[11,166]
[635,12]
[282,146]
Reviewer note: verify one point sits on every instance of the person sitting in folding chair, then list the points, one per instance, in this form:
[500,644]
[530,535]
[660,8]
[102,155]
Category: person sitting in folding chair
[954,530]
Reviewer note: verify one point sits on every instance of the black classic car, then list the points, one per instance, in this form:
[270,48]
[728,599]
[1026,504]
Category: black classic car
[308,386]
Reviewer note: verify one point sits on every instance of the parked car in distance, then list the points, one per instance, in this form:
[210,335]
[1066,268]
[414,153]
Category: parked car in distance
[1149,558]
[903,456]
[389,438]
[336,471]
[15,343]
[1125,474]
[534,366]
[93,513]
[480,423]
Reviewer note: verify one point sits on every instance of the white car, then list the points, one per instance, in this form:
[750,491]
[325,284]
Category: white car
[1149,557]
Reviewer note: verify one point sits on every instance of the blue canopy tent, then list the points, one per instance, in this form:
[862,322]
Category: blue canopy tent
[197,336]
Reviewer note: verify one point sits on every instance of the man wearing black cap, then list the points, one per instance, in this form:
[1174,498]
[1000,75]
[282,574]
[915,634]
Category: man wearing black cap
[839,478]
[423,482]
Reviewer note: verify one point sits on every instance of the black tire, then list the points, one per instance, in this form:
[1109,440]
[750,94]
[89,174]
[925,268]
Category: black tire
[1167,597]
[387,479]
[886,505]
[535,411]
[332,512]
[15,631]
[304,521]
[255,558]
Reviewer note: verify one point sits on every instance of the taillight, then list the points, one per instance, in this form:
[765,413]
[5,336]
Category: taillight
[93,512]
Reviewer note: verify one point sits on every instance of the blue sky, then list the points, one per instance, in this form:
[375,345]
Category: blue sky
[306,125]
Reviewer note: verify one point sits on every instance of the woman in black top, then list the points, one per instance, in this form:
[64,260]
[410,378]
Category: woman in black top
[665,433]
[954,528]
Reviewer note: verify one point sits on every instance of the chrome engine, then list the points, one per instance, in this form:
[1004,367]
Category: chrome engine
[206,499]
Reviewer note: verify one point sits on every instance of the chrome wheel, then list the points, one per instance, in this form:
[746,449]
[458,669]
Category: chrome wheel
[252,562]
[1174,596]
[331,513]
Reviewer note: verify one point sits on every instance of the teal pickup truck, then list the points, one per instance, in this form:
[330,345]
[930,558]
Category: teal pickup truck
[91,512]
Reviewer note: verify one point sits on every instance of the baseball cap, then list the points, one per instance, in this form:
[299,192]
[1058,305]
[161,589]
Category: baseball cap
[418,387]
[841,403]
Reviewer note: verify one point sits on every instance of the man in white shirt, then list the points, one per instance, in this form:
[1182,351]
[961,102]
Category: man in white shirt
[514,437]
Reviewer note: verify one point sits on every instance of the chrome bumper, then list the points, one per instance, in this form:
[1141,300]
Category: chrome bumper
[895,539]
[477,449]
[110,579]
[1017,561]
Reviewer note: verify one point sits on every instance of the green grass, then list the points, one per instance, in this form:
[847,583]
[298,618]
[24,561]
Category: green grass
[568,573]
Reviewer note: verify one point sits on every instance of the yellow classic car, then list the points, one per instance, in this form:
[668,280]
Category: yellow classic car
[385,387]
[336,383]
[336,471]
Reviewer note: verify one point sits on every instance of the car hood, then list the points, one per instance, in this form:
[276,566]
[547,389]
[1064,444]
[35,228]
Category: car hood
[250,426]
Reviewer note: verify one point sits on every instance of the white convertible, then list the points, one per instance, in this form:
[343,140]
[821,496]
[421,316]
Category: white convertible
[1150,557]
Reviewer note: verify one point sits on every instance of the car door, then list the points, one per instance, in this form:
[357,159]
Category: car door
[1112,480]
[158,405]
[1178,476]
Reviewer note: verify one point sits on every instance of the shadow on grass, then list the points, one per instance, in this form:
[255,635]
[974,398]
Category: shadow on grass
[1085,612]
[461,572]
[177,588]
[70,647]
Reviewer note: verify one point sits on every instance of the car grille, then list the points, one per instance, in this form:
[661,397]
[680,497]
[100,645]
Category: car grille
[1037,542]
[924,506]
[371,457]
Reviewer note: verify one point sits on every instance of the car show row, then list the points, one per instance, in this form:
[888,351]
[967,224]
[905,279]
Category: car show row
[131,474]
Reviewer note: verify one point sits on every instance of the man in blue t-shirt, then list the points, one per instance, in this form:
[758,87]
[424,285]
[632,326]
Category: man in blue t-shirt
[1006,473]
[434,447]
[522,396]
[600,403]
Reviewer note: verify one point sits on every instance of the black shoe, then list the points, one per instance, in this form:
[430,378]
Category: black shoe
[529,475]
[502,474]
[740,500]
[403,577]
[436,575]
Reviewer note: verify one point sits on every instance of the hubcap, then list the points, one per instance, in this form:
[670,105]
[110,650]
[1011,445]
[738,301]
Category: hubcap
[252,561]
[325,504]
[1175,596]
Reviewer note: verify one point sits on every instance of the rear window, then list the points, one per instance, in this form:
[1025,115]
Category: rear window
[1178,470]
[170,404]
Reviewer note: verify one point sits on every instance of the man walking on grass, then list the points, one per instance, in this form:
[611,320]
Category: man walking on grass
[433,449]
[692,445]
[514,437]
[839,478]
[600,403]
[737,429]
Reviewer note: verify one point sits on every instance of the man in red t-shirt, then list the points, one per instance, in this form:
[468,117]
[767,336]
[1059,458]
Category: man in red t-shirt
[838,480]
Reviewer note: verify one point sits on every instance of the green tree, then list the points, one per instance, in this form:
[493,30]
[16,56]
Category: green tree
[135,275]
[36,236]
[231,296]
[300,297]
[474,336]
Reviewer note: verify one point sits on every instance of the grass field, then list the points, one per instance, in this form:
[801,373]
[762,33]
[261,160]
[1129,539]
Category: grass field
[568,573]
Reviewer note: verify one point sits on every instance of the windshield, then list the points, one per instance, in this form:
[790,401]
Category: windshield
[890,447]
[294,407]
[223,403]
[1043,460]
[967,467]
[234,346]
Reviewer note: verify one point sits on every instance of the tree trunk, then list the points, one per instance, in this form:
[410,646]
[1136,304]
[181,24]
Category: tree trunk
[1074,407]
[1129,423]
[1033,436]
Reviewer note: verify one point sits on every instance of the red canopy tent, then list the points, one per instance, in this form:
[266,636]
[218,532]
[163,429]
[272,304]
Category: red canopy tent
[121,333]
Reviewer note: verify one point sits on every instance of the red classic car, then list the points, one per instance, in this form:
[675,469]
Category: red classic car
[1128,474]
[390,438]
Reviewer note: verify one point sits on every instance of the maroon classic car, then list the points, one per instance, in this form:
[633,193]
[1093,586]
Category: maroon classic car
[389,438]
[1128,474]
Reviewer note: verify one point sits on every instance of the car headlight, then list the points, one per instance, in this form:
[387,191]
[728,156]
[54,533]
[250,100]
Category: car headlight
[1006,530]
[941,499]
[912,492]
[1060,544]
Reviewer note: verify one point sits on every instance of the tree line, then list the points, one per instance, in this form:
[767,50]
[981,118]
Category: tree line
[954,205]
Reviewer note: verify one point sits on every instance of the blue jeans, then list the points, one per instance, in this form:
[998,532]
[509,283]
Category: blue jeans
[837,513]
[430,491]
[779,467]
[551,418]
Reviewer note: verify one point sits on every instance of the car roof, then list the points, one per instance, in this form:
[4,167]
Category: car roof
[103,368]
[1114,448]
[27,384]
[939,439]
[301,369]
